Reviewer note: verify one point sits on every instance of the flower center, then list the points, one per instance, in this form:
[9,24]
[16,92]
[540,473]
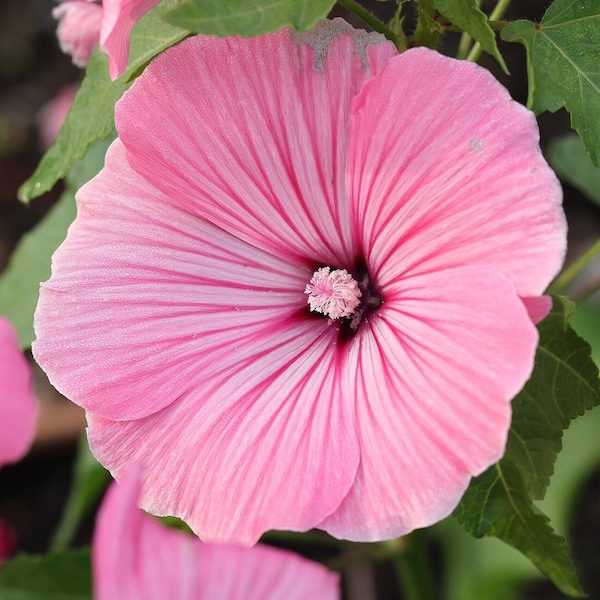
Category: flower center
[334,293]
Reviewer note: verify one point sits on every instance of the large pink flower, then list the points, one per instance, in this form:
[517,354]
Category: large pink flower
[84,23]
[18,407]
[135,557]
[248,172]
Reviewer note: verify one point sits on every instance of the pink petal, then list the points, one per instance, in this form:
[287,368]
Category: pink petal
[53,113]
[78,28]
[265,445]
[258,142]
[167,312]
[450,174]
[135,557]
[157,299]
[118,19]
[18,407]
[433,375]
[538,308]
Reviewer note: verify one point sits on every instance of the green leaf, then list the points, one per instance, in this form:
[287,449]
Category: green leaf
[466,15]
[92,114]
[562,62]
[563,385]
[570,160]
[30,262]
[60,576]
[247,18]
[497,504]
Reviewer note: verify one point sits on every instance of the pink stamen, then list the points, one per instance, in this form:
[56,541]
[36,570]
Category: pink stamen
[333,293]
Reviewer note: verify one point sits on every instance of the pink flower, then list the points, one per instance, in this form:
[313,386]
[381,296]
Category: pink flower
[177,316]
[78,28]
[118,19]
[82,23]
[18,407]
[53,113]
[135,557]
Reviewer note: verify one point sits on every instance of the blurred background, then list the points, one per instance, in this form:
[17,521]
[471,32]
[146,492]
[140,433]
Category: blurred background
[33,75]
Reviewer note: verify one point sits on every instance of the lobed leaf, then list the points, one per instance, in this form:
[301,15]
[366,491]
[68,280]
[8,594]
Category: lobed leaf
[61,576]
[563,385]
[248,18]
[467,16]
[92,114]
[498,503]
[562,58]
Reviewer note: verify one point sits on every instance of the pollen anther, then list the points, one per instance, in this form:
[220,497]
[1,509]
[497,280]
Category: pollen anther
[334,293]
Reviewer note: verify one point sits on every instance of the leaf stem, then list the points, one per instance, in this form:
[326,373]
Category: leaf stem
[496,14]
[364,15]
[562,282]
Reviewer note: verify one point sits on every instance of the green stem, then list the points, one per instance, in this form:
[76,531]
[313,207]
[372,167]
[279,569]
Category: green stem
[465,43]
[413,570]
[464,46]
[588,291]
[497,14]
[368,18]
[562,282]
[89,482]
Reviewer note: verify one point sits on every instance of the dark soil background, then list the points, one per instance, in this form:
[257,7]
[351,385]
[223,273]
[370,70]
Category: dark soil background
[33,493]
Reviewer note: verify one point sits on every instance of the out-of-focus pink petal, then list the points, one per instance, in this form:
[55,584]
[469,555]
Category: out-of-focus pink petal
[78,28]
[118,19]
[538,308]
[433,374]
[135,557]
[8,541]
[451,174]
[18,407]
[52,115]
[217,334]
[266,156]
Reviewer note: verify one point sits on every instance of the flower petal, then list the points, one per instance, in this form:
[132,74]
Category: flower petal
[18,407]
[147,301]
[433,373]
[118,19]
[252,134]
[135,557]
[268,443]
[450,174]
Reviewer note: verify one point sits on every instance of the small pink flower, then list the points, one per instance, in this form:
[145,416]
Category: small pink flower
[135,557]
[177,316]
[53,114]
[82,23]
[118,19]
[18,407]
[78,28]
